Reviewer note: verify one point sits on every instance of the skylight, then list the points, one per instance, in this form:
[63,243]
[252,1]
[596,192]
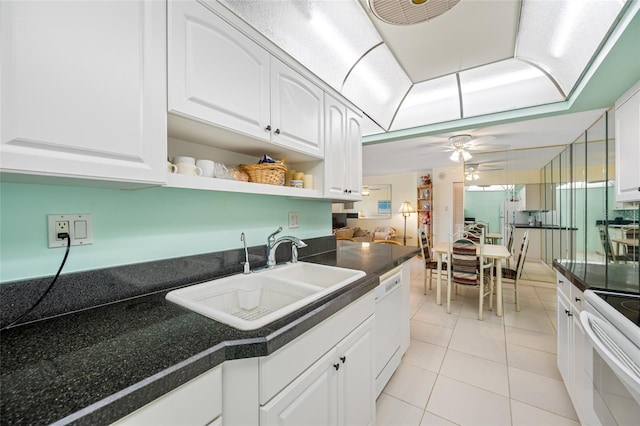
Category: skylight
[337,41]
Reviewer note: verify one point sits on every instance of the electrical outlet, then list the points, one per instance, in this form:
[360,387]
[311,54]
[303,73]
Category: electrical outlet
[78,226]
[294,220]
[61,227]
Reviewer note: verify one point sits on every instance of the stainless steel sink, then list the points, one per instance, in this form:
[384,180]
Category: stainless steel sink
[248,302]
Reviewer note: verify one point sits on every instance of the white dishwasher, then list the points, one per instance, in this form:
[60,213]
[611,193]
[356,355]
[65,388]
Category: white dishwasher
[388,326]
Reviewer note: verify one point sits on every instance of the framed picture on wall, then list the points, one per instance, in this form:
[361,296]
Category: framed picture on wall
[384,207]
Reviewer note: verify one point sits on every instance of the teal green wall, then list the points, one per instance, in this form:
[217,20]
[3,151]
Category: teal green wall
[141,225]
[485,207]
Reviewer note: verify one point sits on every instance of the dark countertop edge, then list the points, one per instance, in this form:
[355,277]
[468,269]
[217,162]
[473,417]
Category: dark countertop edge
[128,400]
[614,277]
[576,280]
[558,227]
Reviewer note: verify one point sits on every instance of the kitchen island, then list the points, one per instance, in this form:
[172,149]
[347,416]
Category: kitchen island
[97,365]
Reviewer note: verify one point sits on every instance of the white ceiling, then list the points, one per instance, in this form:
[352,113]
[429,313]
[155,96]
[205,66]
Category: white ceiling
[479,32]
[428,152]
[477,65]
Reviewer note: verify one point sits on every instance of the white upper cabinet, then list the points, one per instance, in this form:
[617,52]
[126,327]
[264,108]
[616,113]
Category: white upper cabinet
[83,90]
[627,116]
[343,151]
[219,76]
[297,113]
[216,74]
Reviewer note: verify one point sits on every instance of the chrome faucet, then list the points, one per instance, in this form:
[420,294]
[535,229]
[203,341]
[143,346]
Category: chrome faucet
[273,243]
[247,267]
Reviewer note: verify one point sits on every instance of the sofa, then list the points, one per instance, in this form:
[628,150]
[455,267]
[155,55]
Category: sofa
[363,235]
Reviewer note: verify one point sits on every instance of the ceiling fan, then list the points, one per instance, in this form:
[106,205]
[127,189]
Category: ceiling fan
[471,171]
[461,145]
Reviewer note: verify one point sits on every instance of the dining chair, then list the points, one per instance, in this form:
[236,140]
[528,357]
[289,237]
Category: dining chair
[429,263]
[515,274]
[468,269]
[632,234]
[608,249]
[509,242]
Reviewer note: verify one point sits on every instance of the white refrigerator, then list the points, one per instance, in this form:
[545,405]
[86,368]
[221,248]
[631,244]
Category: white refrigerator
[509,215]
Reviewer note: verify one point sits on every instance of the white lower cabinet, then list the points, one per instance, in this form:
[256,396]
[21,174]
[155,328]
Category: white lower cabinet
[197,402]
[336,390]
[83,91]
[324,377]
[571,344]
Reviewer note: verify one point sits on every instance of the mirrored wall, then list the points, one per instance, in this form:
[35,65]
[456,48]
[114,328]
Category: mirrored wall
[581,181]
[562,195]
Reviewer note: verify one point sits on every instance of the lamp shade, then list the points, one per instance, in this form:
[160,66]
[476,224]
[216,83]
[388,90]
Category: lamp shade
[406,208]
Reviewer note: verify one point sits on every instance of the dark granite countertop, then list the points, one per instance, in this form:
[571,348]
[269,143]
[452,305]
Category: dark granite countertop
[612,276]
[97,365]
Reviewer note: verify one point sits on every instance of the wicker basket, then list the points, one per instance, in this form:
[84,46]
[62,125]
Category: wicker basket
[269,173]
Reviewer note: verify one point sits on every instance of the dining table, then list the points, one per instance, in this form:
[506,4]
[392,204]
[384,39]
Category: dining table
[628,242]
[493,237]
[496,252]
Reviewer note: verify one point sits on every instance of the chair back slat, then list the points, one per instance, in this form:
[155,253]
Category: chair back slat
[464,262]
[522,255]
[424,245]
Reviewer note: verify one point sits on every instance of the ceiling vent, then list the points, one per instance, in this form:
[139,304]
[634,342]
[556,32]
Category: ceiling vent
[408,12]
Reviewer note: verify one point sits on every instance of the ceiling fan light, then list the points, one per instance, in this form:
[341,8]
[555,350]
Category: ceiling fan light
[465,155]
[455,156]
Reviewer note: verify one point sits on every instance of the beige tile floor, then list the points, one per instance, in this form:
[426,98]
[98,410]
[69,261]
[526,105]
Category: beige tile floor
[500,371]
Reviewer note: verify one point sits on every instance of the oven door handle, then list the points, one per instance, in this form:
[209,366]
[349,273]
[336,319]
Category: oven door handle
[620,354]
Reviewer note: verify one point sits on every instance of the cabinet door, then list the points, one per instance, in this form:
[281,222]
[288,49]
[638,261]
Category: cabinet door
[309,400]
[565,344]
[353,144]
[297,112]
[334,159]
[83,89]
[627,132]
[356,381]
[216,74]
[343,151]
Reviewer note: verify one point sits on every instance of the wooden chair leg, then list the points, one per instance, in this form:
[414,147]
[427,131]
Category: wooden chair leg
[430,278]
[425,283]
[449,284]
[515,291]
[481,296]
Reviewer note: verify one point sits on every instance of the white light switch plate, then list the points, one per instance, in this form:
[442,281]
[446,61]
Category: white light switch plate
[294,220]
[78,226]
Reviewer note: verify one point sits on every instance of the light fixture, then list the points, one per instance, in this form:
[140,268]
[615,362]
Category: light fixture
[471,175]
[406,210]
[459,145]
[365,191]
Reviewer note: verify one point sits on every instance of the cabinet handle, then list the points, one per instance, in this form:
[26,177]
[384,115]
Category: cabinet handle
[560,281]
[349,191]
[336,366]
[343,359]
[569,314]
[277,131]
[578,299]
[345,191]
[268,128]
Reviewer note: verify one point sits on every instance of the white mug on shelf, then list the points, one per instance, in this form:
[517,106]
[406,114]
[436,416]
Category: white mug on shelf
[171,168]
[207,167]
[189,169]
[182,159]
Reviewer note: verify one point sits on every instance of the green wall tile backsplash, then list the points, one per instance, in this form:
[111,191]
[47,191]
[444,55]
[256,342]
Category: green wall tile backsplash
[141,225]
